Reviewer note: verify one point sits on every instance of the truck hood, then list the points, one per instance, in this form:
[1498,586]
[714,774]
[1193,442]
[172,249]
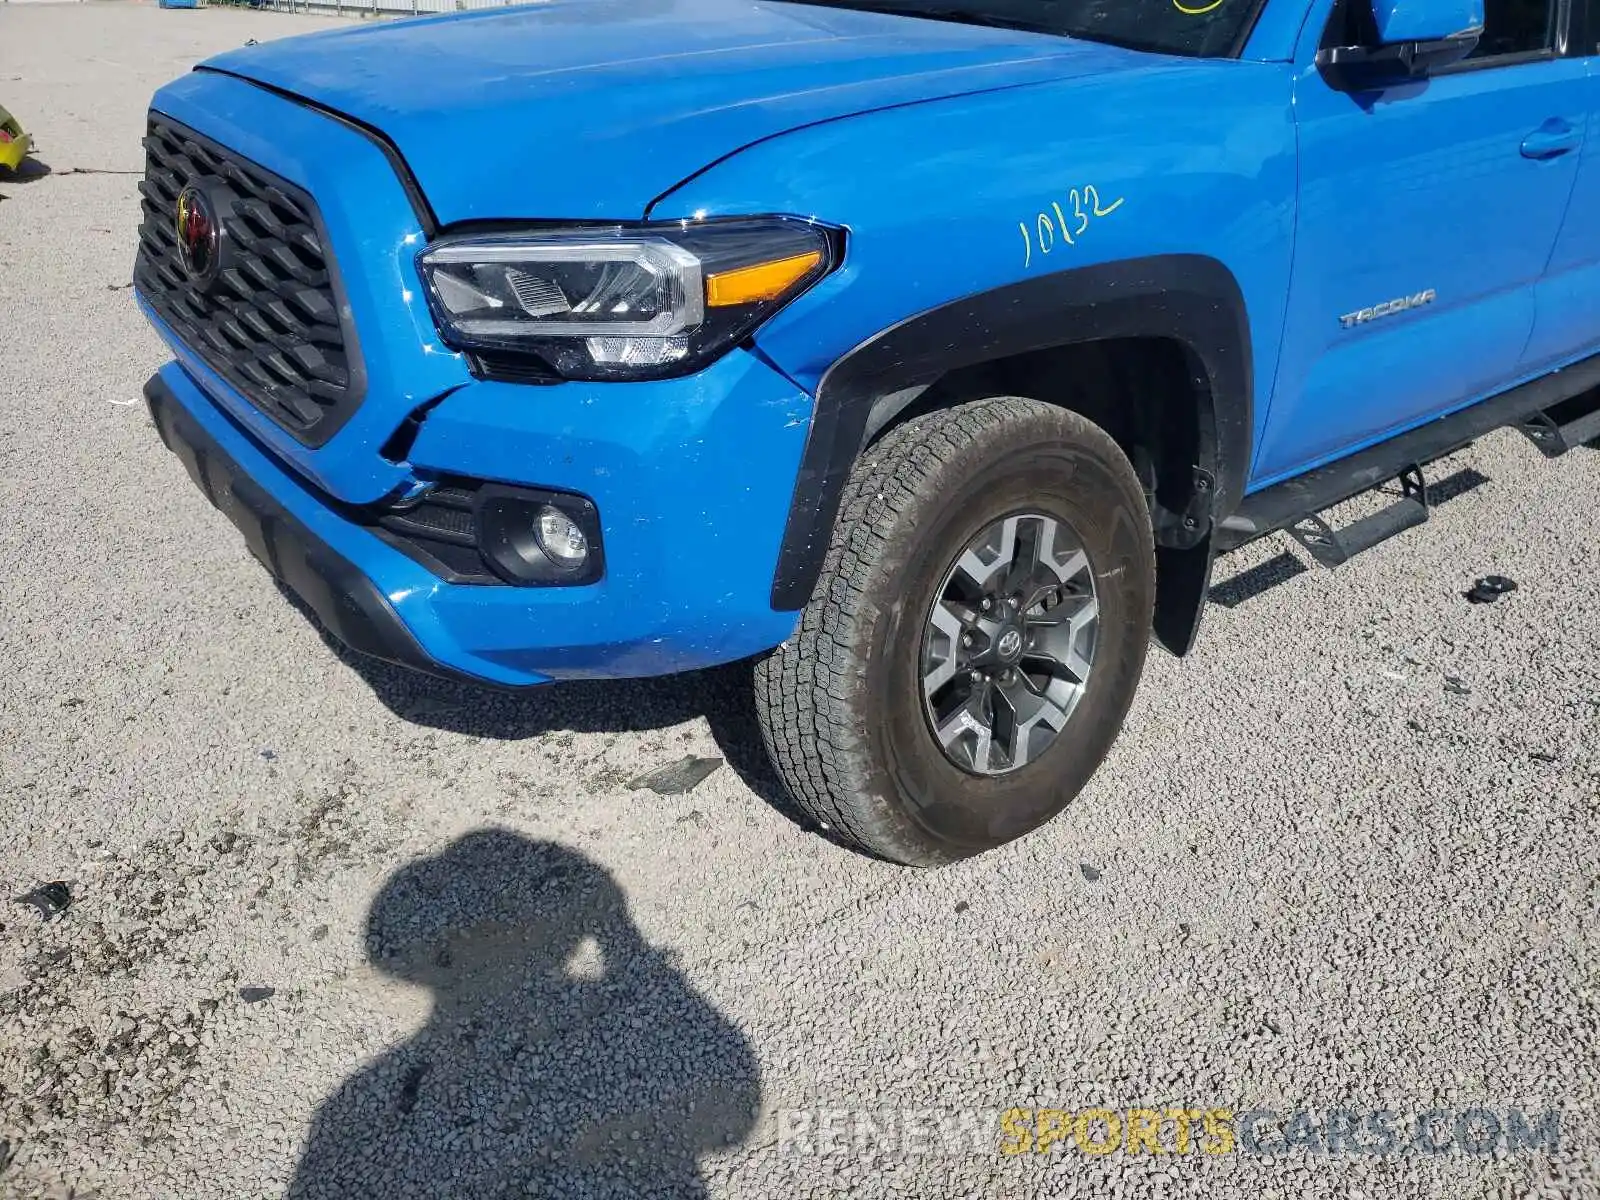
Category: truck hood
[594,108]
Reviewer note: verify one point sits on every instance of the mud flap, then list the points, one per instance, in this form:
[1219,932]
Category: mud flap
[1183,581]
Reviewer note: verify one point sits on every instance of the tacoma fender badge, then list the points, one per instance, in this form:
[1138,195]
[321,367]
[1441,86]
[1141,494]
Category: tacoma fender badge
[1388,308]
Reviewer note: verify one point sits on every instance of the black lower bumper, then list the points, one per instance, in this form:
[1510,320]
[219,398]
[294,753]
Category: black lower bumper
[348,604]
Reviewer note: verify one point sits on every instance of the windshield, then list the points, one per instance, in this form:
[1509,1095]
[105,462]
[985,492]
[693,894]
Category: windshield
[1198,28]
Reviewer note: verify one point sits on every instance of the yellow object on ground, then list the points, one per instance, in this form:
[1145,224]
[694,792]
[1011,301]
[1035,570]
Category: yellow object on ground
[14,144]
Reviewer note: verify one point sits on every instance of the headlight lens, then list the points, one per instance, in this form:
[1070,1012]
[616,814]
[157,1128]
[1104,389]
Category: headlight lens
[626,302]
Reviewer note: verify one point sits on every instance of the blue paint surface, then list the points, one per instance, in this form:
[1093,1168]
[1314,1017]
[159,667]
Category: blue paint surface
[958,159]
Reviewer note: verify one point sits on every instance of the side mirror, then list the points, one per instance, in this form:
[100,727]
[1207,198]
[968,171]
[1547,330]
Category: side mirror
[1400,21]
[1403,41]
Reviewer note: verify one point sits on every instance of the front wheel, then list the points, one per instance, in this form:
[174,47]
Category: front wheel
[975,638]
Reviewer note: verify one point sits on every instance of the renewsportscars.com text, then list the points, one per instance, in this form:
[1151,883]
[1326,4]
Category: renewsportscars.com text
[1176,1130]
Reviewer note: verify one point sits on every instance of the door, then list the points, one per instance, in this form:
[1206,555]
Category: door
[1567,309]
[1427,213]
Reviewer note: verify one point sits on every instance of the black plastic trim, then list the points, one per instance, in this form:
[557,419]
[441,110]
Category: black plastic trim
[1468,65]
[1192,299]
[414,528]
[408,181]
[348,604]
[527,369]
[467,569]
[1282,504]
[1183,582]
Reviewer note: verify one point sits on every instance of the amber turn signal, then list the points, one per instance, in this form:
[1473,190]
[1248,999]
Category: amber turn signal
[763,281]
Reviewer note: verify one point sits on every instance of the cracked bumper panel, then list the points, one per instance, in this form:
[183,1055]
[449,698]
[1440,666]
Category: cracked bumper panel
[692,478]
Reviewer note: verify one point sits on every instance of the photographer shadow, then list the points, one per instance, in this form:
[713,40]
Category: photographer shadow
[564,1055]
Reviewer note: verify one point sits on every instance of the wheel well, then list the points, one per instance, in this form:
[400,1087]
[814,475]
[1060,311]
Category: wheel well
[1151,394]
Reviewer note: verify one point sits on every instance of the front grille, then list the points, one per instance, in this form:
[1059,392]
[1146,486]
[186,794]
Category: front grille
[270,323]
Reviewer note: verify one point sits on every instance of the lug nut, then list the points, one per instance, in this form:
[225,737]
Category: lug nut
[975,676]
[967,639]
[987,604]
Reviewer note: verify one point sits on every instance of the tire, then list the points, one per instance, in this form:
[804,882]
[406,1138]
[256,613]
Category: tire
[841,703]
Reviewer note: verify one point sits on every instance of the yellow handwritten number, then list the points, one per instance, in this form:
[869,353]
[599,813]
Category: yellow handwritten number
[1085,203]
[1077,211]
[1094,203]
[1063,221]
[1196,11]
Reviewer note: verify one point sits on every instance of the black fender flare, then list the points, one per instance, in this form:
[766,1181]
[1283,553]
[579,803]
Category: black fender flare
[1191,299]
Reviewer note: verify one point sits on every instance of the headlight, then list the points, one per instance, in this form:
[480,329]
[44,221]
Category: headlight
[628,302]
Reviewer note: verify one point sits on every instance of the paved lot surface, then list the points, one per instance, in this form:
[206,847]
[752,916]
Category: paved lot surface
[1314,873]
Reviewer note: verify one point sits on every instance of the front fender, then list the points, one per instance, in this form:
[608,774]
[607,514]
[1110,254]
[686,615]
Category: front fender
[1191,299]
[1157,199]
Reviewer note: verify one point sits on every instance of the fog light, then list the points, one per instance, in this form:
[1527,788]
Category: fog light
[534,537]
[560,538]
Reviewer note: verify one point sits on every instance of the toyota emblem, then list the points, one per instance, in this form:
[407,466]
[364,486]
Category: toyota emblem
[199,235]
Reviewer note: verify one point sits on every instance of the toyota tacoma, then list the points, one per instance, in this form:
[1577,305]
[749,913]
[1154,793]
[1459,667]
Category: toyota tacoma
[924,352]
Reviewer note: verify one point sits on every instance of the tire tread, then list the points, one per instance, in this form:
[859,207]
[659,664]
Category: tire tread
[804,689]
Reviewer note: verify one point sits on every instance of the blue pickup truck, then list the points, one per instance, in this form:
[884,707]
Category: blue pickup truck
[925,352]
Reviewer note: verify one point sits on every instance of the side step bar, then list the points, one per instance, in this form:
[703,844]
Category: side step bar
[1335,547]
[1558,429]
[1566,401]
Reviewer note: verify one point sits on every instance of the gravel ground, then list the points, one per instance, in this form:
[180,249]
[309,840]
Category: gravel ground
[340,931]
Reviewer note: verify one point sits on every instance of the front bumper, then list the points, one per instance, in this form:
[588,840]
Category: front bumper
[348,603]
[688,566]
[691,478]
